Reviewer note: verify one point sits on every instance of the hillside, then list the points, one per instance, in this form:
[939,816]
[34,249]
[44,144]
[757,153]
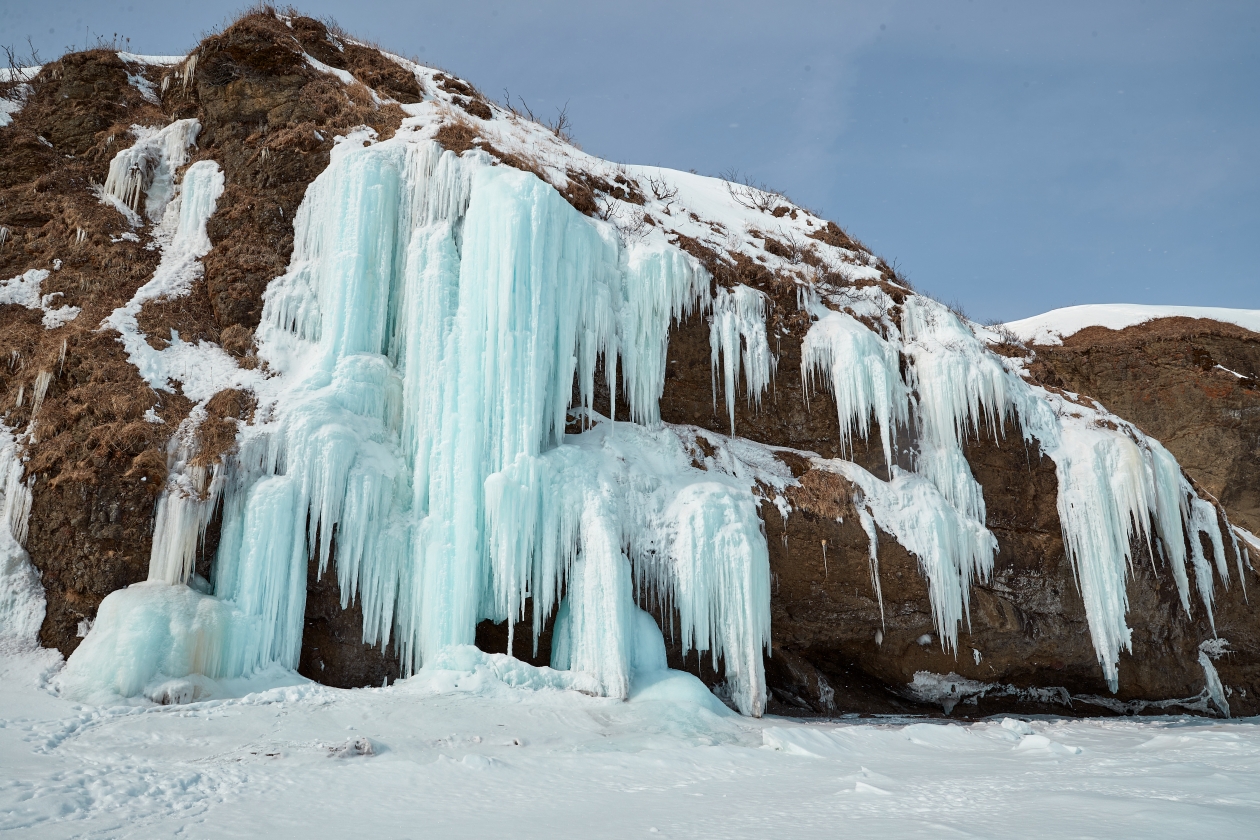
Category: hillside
[319,358]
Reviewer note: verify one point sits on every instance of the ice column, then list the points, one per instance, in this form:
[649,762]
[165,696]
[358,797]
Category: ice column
[739,320]
[21,593]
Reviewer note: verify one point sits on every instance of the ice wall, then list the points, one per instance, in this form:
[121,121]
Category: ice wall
[427,336]
[1117,487]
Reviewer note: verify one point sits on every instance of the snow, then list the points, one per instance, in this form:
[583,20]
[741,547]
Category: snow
[1054,326]
[486,747]
[9,107]
[202,369]
[155,60]
[24,290]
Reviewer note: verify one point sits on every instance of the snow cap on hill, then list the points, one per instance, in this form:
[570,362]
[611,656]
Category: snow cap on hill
[1054,326]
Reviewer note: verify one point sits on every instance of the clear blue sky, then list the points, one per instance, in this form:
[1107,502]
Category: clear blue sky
[1012,157]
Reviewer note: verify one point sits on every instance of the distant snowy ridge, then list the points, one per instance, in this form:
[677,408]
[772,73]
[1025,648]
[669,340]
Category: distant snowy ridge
[1052,327]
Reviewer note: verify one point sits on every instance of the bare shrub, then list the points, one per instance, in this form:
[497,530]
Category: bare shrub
[748,194]
[662,190]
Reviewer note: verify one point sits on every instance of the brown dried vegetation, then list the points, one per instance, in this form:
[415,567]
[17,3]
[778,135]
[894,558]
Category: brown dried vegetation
[268,120]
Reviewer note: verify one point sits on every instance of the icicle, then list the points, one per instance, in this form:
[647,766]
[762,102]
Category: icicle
[959,384]
[739,319]
[862,372]
[872,537]
[953,549]
[148,167]
[42,380]
[184,509]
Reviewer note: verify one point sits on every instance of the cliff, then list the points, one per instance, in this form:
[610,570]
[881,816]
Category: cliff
[911,477]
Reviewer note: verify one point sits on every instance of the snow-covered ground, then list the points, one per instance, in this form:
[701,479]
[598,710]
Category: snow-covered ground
[1054,326]
[463,754]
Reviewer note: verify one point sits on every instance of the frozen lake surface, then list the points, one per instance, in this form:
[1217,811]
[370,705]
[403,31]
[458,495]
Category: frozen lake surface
[453,753]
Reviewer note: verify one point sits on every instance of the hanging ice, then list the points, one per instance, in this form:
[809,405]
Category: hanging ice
[952,548]
[148,168]
[1113,483]
[435,315]
[960,385]
[737,333]
[862,372]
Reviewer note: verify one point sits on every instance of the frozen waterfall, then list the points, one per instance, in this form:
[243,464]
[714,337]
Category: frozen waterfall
[435,315]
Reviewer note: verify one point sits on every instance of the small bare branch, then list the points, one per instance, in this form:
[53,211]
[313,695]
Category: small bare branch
[748,194]
[662,190]
[561,125]
[631,222]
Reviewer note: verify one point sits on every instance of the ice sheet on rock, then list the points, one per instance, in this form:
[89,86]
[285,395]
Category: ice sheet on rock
[737,339]
[24,290]
[863,373]
[952,548]
[946,690]
[147,169]
[22,601]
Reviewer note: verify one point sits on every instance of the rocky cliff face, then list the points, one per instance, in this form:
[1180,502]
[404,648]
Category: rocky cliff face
[1192,383]
[272,96]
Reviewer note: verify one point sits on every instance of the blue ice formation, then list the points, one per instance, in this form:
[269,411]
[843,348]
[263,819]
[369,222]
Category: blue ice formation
[428,333]
[1116,486]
